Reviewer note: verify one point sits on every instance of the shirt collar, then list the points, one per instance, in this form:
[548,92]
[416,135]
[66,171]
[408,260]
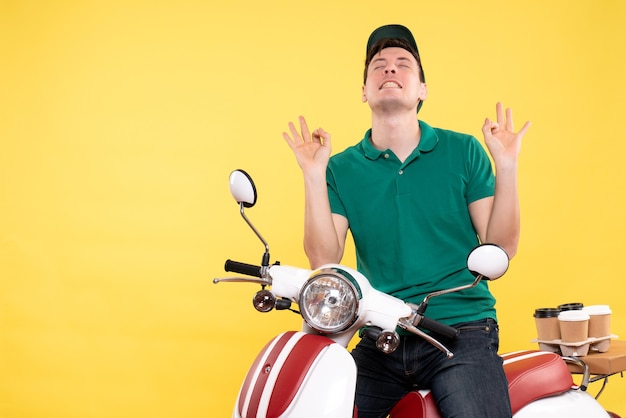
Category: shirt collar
[428,142]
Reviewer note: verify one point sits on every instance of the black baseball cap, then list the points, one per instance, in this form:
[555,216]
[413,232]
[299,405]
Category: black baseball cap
[391,32]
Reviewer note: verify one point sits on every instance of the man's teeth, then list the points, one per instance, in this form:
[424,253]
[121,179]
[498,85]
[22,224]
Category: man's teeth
[390,84]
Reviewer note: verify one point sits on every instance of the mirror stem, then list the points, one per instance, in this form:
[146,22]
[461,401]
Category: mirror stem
[266,256]
[445,292]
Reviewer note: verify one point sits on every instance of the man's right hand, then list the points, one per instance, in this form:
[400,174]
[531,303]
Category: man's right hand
[312,150]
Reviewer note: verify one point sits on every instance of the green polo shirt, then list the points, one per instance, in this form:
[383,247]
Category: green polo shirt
[410,220]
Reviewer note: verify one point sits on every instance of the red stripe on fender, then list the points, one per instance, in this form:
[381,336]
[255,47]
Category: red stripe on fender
[257,390]
[293,372]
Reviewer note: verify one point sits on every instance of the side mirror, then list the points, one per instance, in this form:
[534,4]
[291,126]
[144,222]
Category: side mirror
[243,191]
[242,188]
[489,261]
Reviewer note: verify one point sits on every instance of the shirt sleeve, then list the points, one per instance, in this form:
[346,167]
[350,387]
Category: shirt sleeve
[481,179]
[336,206]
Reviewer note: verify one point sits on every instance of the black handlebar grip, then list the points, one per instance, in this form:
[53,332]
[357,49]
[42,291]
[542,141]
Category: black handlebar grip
[438,327]
[242,268]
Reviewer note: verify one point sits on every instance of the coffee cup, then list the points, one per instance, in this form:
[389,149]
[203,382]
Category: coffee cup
[599,320]
[574,326]
[547,323]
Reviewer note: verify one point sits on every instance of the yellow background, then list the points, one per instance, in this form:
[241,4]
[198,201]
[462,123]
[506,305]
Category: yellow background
[121,120]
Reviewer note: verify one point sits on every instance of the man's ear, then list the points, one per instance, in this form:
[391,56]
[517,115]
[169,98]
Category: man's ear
[363,96]
[423,91]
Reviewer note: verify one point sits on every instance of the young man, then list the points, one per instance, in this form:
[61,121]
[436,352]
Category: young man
[416,199]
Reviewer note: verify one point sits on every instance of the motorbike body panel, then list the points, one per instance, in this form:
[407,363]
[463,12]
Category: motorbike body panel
[571,404]
[298,375]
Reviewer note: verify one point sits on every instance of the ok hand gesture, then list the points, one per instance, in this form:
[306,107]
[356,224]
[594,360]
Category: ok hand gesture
[503,142]
[312,150]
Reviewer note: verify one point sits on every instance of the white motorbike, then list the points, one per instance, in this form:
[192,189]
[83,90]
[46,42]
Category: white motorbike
[310,373]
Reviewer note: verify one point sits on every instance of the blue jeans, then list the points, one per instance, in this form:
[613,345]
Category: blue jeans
[470,384]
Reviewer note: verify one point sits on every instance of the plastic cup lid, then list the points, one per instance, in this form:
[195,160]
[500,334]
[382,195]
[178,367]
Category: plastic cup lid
[570,306]
[575,315]
[597,309]
[546,313]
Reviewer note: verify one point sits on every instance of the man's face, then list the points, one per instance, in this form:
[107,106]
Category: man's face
[393,81]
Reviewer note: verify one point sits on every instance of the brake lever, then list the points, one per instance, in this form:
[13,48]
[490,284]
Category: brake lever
[405,324]
[261,281]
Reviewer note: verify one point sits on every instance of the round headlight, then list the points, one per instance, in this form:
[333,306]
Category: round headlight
[329,300]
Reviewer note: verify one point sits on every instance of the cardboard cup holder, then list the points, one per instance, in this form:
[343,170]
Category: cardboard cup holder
[576,349]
